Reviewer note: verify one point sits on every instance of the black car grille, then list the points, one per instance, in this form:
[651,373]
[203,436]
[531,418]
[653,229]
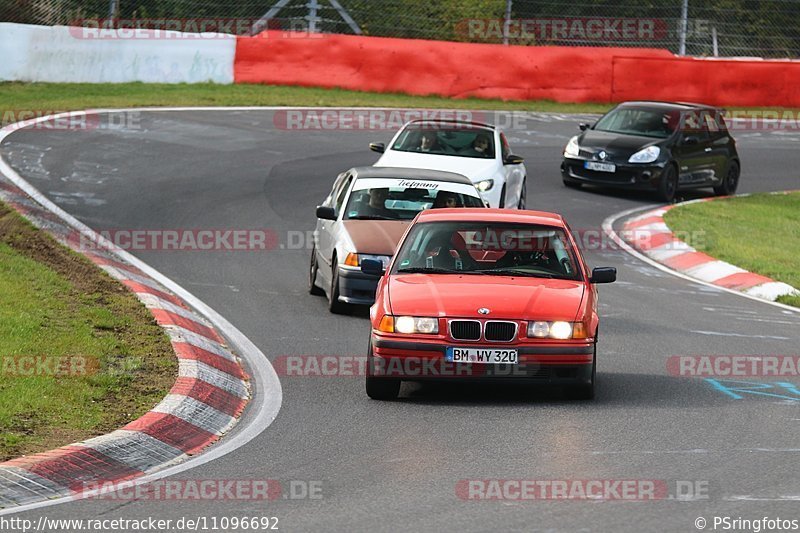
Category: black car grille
[465,330]
[500,331]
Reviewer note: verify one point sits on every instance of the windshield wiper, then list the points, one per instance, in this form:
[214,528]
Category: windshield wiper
[509,272]
[428,270]
[370,217]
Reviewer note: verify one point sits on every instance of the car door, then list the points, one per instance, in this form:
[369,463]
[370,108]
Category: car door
[693,150]
[720,140]
[514,174]
[327,230]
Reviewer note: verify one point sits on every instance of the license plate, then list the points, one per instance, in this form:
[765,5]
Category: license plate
[601,167]
[487,356]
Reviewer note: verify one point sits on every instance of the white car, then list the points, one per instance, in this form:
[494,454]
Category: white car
[477,151]
[366,213]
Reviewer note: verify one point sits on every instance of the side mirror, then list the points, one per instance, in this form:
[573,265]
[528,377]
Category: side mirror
[326,213]
[690,139]
[377,147]
[603,275]
[513,160]
[372,267]
[583,126]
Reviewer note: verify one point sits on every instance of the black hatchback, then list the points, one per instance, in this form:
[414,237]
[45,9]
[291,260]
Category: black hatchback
[658,146]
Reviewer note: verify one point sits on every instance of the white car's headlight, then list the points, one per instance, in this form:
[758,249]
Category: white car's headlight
[572,149]
[354,260]
[484,185]
[648,155]
[556,330]
[416,324]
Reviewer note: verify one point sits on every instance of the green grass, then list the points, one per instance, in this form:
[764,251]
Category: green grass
[17,96]
[759,233]
[56,304]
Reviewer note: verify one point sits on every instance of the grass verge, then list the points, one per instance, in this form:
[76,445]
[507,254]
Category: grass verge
[79,354]
[759,233]
[16,96]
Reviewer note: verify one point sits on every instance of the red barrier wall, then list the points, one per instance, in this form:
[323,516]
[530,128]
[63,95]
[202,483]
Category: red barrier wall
[563,74]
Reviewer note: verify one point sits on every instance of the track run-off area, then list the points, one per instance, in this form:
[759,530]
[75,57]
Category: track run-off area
[713,447]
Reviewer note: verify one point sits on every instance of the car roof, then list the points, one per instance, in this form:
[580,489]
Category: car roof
[474,214]
[469,123]
[408,173]
[678,106]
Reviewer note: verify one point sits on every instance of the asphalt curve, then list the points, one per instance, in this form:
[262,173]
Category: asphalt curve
[396,466]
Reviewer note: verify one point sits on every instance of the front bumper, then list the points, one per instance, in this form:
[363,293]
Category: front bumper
[355,287]
[627,175]
[568,363]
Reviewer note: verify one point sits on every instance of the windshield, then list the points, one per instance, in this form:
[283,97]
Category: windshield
[487,248]
[461,141]
[402,199]
[638,121]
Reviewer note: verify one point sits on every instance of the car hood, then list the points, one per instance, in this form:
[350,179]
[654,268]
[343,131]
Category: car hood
[616,144]
[506,297]
[377,237]
[475,169]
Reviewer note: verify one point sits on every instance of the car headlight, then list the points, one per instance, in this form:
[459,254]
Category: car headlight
[484,185]
[572,149]
[556,330]
[647,155]
[409,324]
[354,260]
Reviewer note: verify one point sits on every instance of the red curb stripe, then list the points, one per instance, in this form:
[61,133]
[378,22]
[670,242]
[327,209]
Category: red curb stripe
[168,318]
[100,260]
[644,222]
[174,431]
[211,395]
[74,466]
[135,286]
[184,350]
[742,281]
[688,260]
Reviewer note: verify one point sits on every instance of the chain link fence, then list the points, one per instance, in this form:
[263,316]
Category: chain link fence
[762,28]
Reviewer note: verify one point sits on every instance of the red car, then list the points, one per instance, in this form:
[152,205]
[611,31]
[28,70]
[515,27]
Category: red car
[487,294]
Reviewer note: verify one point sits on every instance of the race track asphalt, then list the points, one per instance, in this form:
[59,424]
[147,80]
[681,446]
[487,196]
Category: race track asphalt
[395,466]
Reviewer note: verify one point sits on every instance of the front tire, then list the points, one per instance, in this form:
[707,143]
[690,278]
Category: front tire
[334,305]
[523,192]
[383,389]
[731,181]
[312,274]
[668,187]
[585,392]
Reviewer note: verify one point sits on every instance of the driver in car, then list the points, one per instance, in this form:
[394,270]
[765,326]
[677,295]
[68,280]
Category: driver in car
[427,142]
[377,204]
[479,147]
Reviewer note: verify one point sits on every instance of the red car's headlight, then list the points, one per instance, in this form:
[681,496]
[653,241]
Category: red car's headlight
[409,325]
[556,330]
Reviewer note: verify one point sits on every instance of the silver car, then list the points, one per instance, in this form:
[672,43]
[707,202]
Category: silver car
[366,213]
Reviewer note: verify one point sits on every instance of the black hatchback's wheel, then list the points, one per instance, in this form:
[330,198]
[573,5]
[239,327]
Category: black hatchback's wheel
[334,305]
[585,391]
[380,388]
[731,181]
[312,274]
[523,192]
[669,184]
